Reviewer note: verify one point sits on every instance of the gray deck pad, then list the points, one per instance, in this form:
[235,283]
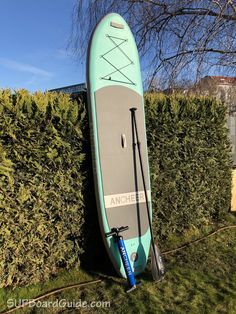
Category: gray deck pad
[123,190]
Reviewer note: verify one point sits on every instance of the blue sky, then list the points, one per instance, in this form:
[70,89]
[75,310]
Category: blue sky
[34,39]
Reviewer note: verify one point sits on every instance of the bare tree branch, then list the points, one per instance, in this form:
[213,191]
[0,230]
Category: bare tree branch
[172,36]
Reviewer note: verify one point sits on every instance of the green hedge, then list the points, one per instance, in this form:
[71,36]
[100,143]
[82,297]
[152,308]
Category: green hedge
[190,159]
[48,215]
[41,183]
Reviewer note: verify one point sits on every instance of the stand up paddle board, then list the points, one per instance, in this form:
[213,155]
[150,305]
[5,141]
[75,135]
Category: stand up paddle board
[114,87]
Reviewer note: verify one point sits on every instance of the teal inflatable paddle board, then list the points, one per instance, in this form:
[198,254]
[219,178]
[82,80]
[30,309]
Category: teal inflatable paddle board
[114,87]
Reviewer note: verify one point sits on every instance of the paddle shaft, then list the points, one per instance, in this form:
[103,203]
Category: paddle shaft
[143,179]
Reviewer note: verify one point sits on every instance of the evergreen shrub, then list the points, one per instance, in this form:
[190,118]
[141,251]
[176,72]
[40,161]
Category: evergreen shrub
[190,160]
[47,209]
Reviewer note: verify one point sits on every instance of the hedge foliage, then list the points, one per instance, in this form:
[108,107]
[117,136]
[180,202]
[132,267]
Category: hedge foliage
[41,200]
[190,159]
[48,217]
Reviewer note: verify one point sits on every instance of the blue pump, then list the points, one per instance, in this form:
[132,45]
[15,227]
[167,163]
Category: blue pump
[115,232]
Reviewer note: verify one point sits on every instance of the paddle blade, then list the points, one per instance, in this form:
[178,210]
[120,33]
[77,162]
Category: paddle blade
[157,264]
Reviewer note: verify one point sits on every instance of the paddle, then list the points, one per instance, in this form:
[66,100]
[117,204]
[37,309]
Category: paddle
[156,260]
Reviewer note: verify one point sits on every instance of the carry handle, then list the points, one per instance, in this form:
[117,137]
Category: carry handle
[123,141]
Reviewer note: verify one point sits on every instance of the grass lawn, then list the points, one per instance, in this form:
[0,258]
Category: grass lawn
[199,279]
